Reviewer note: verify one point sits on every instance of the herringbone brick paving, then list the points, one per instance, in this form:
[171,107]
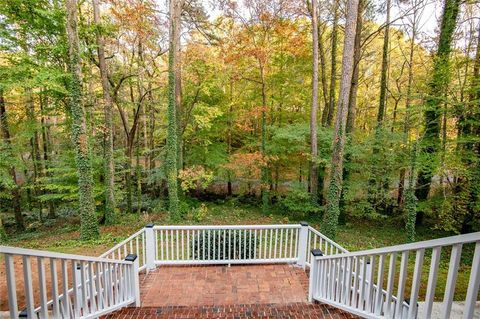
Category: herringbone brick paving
[272,311]
[221,292]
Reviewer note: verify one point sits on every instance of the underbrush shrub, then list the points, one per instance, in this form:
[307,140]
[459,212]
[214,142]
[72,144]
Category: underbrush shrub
[298,203]
[239,244]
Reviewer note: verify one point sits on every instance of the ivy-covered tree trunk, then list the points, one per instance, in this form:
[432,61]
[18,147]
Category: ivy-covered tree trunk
[384,71]
[15,191]
[327,116]
[89,224]
[177,71]
[410,199]
[330,221]
[172,131]
[110,202]
[467,190]
[434,99]
[265,173]
[314,109]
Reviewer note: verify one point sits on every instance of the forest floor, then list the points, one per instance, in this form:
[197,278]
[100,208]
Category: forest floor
[354,235]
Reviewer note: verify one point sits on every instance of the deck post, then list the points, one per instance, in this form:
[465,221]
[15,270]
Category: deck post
[302,244]
[134,275]
[150,247]
[313,274]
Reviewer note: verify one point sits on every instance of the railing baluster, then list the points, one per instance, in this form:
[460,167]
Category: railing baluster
[183,246]
[83,289]
[354,298]
[66,301]
[98,283]
[379,289]
[178,244]
[172,246]
[76,298]
[42,287]
[391,278]
[93,304]
[11,286]
[255,244]
[451,280]
[348,282]
[369,292]
[27,281]
[361,282]
[401,284]
[417,276]
[338,276]
[54,281]
[473,284]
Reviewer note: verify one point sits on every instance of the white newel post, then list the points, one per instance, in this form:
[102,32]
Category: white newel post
[302,244]
[313,281]
[135,282]
[150,247]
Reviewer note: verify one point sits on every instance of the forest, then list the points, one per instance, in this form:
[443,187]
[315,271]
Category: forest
[338,111]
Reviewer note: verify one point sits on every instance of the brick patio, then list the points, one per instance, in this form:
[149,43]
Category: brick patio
[222,285]
[251,291]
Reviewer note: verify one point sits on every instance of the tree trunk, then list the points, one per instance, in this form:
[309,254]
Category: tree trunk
[177,70]
[89,224]
[408,102]
[110,202]
[332,212]
[327,117]
[314,109]
[172,131]
[16,197]
[384,70]
[436,88]
[46,146]
[265,178]
[357,54]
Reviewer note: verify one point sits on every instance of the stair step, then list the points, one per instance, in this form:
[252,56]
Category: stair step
[278,311]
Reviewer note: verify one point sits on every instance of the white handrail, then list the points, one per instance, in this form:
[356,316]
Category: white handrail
[362,282]
[199,227]
[440,242]
[119,245]
[48,254]
[97,285]
[226,244]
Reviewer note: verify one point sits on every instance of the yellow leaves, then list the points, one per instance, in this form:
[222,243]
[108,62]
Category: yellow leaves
[194,177]
[205,115]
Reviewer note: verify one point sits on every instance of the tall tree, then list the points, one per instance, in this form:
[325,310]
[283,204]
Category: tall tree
[384,71]
[416,15]
[357,55]
[16,197]
[313,112]
[110,202]
[329,226]
[327,116]
[172,131]
[437,86]
[89,224]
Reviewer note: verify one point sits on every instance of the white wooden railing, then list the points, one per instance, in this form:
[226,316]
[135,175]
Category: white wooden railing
[79,286]
[135,244]
[363,282]
[232,244]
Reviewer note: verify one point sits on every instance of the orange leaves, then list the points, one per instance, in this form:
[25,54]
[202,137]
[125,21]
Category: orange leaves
[248,165]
